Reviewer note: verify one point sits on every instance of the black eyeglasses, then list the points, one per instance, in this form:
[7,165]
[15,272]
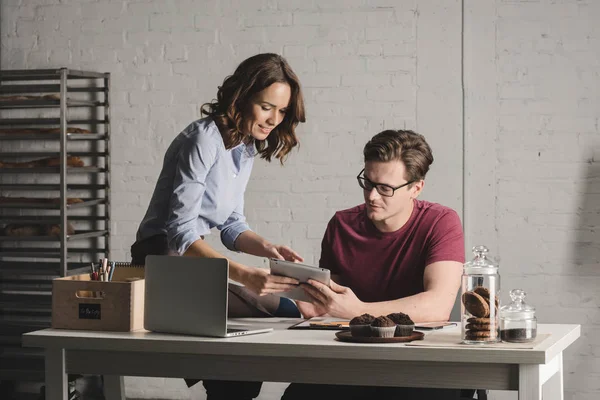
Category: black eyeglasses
[382,188]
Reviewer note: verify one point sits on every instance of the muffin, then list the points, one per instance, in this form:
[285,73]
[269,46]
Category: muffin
[361,326]
[383,327]
[404,325]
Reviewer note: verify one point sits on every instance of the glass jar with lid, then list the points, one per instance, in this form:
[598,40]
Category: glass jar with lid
[517,319]
[480,299]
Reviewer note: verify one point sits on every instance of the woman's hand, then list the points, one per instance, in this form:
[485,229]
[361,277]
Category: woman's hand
[251,243]
[282,252]
[261,282]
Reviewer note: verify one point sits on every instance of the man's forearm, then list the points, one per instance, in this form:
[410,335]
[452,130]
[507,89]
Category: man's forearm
[252,243]
[421,307]
[200,248]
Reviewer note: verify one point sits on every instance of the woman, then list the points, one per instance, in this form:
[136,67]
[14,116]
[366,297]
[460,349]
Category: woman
[204,177]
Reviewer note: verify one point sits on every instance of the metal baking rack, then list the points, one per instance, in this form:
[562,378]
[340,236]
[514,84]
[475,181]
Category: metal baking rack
[44,99]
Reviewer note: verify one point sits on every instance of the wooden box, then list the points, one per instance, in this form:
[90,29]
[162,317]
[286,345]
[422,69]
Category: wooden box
[82,304]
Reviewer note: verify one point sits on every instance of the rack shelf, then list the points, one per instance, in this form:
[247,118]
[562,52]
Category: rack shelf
[49,187]
[33,154]
[51,170]
[41,252]
[83,234]
[48,74]
[52,206]
[23,219]
[48,121]
[45,88]
[48,104]
[40,270]
[51,136]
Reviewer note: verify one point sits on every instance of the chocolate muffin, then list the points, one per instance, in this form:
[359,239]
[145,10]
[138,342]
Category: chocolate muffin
[382,326]
[361,325]
[400,318]
[404,325]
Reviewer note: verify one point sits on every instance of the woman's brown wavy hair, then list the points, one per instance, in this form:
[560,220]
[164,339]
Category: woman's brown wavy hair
[252,76]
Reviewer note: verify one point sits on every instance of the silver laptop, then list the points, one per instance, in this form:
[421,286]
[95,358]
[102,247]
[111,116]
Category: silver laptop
[188,295]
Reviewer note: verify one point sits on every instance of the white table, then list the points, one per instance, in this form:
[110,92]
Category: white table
[301,356]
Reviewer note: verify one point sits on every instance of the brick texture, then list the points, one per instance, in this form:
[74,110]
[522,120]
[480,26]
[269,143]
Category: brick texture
[528,187]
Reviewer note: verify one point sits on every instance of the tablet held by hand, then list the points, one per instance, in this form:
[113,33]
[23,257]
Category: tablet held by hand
[302,273]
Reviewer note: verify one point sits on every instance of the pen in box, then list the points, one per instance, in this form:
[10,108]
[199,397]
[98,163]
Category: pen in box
[105,269]
[112,271]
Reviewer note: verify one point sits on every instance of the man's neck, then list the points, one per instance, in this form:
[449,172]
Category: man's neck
[395,223]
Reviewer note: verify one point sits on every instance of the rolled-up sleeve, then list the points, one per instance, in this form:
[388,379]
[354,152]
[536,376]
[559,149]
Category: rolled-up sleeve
[328,258]
[234,226]
[183,225]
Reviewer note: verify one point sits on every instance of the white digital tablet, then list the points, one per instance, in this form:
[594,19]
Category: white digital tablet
[302,272]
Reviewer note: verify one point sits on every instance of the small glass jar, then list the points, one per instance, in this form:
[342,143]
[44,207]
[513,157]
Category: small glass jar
[517,319]
[480,299]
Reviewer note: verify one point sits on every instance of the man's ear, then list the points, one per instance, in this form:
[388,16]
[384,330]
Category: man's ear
[417,188]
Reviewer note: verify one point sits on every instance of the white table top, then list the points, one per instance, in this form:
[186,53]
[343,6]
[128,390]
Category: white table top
[282,342]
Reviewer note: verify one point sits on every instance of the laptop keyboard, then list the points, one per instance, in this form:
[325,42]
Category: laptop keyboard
[232,330]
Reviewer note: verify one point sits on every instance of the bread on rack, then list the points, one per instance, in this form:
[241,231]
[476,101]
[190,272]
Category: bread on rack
[37,200]
[54,230]
[21,230]
[69,130]
[29,97]
[72,161]
[51,131]
[70,200]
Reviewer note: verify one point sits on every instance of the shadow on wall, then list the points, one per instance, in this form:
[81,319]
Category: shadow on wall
[586,246]
[583,275]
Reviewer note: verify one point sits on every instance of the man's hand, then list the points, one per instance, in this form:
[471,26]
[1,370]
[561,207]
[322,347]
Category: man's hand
[261,282]
[335,300]
[282,252]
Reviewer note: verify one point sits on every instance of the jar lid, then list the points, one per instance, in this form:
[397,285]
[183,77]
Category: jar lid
[517,309]
[480,264]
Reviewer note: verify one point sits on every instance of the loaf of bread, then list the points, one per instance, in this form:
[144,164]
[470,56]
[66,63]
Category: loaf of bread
[29,98]
[36,230]
[31,131]
[37,200]
[72,161]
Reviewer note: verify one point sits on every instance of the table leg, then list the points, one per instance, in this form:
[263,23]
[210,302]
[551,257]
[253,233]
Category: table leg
[553,388]
[114,389]
[57,387]
[530,384]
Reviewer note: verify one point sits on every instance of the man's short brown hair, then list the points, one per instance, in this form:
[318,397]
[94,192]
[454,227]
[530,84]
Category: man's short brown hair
[406,146]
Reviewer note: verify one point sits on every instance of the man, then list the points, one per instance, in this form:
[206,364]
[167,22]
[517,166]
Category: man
[393,253]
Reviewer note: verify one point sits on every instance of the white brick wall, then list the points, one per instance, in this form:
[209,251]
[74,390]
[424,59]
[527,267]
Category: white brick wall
[531,84]
[530,144]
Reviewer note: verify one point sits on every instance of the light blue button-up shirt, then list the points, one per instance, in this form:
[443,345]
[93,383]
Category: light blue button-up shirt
[201,186]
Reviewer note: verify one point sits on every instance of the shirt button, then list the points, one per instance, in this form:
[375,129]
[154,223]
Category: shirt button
[235,175]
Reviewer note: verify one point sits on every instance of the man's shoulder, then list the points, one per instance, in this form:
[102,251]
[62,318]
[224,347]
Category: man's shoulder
[350,214]
[433,209]
[348,220]
[437,216]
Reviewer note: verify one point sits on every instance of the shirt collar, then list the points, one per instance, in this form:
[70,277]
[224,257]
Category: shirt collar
[248,150]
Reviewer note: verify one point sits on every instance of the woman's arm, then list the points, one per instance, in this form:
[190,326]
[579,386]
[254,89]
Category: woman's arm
[256,279]
[252,243]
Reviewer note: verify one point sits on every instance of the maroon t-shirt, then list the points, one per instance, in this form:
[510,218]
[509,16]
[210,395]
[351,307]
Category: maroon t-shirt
[381,266]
